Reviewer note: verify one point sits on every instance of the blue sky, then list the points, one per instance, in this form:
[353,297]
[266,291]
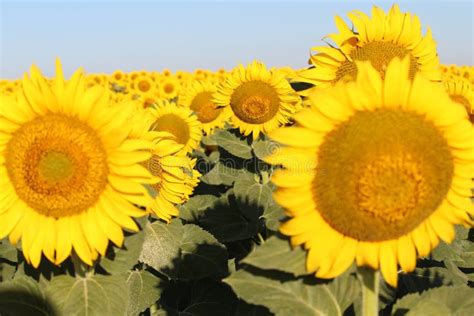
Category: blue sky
[152,35]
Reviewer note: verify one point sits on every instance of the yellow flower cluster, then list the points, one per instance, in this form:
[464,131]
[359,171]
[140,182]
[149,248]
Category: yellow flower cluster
[459,83]
[74,150]
[377,167]
[458,72]
[77,165]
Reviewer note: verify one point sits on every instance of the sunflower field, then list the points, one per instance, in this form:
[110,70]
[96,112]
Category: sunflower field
[344,188]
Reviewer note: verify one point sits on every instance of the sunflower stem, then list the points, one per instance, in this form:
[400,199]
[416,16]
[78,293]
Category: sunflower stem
[369,279]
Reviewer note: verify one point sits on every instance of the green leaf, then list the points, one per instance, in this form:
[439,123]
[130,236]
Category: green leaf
[144,290]
[264,148]
[273,214]
[446,300]
[460,250]
[277,254]
[247,309]
[228,223]
[23,296]
[425,277]
[249,190]
[221,174]
[296,297]
[233,144]
[92,295]
[209,140]
[196,206]
[119,260]
[183,251]
[8,251]
[7,271]
[200,297]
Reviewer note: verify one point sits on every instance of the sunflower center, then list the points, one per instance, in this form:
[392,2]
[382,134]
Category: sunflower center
[144,86]
[379,54]
[174,125]
[168,88]
[205,109]
[57,165]
[391,187]
[382,173]
[255,102]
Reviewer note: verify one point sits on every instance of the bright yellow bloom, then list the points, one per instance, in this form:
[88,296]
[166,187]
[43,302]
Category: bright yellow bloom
[378,39]
[176,178]
[256,100]
[143,84]
[377,171]
[70,175]
[118,76]
[197,96]
[169,87]
[179,121]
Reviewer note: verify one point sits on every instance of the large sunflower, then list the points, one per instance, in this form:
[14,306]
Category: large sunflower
[376,171]
[197,96]
[378,39]
[179,121]
[68,171]
[256,100]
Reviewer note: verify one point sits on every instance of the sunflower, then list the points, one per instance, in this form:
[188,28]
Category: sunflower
[197,96]
[378,39]
[118,76]
[376,171]
[461,91]
[256,100]
[174,177]
[169,87]
[69,172]
[143,83]
[166,116]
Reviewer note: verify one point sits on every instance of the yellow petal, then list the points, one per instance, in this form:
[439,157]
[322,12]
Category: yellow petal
[442,228]
[50,240]
[63,241]
[421,240]
[36,249]
[388,262]
[344,259]
[406,253]
[300,224]
[110,228]
[368,254]
[297,137]
[290,179]
[117,215]
[79,242]
[11,218]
